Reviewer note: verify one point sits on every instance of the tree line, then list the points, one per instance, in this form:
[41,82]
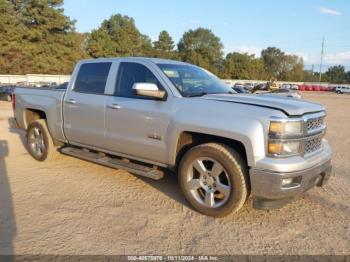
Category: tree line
[37,37]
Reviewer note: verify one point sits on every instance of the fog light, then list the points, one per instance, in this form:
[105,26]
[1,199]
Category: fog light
[287,181]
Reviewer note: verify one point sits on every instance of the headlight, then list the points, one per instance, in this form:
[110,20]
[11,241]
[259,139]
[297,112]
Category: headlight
[285,137]
[284,148]
[286,128]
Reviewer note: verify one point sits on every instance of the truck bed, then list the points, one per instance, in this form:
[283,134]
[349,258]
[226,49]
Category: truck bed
[47,100]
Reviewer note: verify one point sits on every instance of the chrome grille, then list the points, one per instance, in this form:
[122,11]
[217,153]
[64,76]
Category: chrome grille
[315,123]
[313,144]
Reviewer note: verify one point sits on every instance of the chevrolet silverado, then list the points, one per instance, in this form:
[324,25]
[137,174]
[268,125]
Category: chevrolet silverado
[149,115]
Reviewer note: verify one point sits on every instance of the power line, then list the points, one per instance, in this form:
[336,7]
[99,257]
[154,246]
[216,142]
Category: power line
[322,56]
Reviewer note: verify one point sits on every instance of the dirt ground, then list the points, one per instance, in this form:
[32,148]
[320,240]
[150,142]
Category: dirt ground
[76,207]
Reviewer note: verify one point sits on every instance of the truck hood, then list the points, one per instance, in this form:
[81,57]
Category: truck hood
[290,107]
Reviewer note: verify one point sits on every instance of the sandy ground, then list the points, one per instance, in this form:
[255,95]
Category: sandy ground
[75,207]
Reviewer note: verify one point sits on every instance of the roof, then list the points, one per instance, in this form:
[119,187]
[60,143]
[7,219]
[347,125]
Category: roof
[137,59]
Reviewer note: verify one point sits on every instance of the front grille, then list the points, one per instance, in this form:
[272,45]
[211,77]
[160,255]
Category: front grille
[312,145]
[315,123]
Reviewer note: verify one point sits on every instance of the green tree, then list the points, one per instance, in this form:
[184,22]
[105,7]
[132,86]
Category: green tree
[242,66]
[347,77]
[46,38]
[309,76]
[164,46]
[117,36]
[146,46]
[336,74]
[12,57]
[201,47]
[164,43]
[292,68]
[273,60]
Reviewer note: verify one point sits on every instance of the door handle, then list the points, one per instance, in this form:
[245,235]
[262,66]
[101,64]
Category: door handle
[71,101]
[114,106]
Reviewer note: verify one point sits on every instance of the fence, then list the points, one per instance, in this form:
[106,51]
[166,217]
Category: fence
[33,79]
[59,79]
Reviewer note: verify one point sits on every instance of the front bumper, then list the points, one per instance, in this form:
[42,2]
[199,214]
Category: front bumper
[268,189]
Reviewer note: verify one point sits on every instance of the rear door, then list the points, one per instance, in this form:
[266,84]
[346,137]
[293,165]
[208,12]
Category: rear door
[137,126]
[84,105]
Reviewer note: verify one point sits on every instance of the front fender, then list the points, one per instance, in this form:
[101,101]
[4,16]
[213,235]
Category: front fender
[248,131]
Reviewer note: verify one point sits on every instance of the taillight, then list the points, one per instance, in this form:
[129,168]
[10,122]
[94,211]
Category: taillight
[13,102]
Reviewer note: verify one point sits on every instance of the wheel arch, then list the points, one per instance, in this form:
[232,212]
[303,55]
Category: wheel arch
[188,140]
[30,115]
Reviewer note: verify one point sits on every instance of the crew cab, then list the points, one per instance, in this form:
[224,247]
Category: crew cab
[148,115]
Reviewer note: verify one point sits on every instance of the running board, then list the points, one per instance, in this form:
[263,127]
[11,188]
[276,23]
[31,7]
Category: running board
[113,162]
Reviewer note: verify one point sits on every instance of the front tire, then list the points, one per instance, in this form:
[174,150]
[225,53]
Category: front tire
[39,142]
[213,178]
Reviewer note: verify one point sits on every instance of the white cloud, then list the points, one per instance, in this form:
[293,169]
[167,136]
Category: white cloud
[252,50]
[329,11]
[191,22]
[338,58]
[330,59]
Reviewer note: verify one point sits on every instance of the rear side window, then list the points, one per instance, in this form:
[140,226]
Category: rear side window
[92,78]
[131,73]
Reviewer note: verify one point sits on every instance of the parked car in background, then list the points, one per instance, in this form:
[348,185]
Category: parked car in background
[286,86]
[260,89]
[342,90]
[6,93]
[238,85]
[248,86]
[62,86]
[241,90]
[294,87]
[287,93]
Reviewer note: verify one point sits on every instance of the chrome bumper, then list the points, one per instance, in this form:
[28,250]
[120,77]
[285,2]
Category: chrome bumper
[268,189]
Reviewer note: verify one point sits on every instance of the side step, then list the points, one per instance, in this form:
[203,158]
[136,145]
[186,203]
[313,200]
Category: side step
[114,162]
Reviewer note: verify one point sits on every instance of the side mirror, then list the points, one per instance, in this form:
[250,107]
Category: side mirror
[148,90]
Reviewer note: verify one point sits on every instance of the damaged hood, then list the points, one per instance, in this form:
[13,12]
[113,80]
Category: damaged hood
[289,106]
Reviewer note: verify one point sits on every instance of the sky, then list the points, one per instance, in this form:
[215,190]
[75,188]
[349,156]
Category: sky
[247,26]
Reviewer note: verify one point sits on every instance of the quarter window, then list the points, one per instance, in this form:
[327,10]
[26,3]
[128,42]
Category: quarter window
[92,78]
[131,73]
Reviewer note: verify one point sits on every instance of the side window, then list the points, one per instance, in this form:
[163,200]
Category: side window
[131,73]
[92,78]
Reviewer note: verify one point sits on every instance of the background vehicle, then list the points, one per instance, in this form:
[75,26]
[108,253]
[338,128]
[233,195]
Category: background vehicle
[260,88]
[248,86]
[287,93]
[6,93]
[286,86]
[241,90]
[146,115]
[62,86]
[342,90]
[238,85]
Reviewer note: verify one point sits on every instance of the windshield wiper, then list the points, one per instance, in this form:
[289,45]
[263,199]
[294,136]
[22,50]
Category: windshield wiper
[205,93]
[197,94]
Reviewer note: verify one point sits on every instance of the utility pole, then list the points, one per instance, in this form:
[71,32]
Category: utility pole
[322,56]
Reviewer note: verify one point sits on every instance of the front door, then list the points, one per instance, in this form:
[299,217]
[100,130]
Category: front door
[136,126]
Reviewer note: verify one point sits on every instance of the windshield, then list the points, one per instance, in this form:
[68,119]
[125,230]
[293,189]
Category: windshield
[194,81]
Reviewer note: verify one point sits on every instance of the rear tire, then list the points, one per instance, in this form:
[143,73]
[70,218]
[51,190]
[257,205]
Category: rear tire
[39,142]
[214,179]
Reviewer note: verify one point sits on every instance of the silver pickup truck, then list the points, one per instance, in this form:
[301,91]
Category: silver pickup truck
[148,115]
